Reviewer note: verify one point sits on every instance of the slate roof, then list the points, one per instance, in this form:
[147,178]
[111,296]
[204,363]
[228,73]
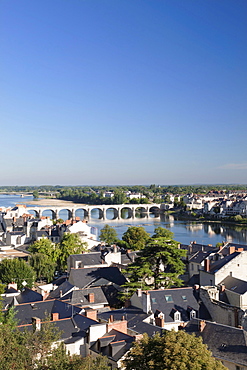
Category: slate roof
[199,256]
[114,344]
[134,317]
[225,342]
[25,311]
[71,328]
[196,247]
[234,284]
[90,259]
[28,295]
[129,257]
[244,246]
[64,288]
[80,297]
[82,278]
[215,266]
[178,299]
[42,234]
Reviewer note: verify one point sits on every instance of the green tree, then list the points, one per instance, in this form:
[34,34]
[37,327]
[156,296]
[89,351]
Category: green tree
[62,360]
[136,237]
[173,351]
[70,244]
[18,271]
[237,218]
[43,265]
[35,194]
[119,197]
[34,350]
[158,265]
[45,247]
[162,232]
[108,235]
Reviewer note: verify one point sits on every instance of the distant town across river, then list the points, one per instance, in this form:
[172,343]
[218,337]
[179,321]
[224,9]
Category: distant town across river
[184,231]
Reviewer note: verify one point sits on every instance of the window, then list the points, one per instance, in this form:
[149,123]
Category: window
[154,300]
[177,316]
[184,298]
[192,314]
[168,298]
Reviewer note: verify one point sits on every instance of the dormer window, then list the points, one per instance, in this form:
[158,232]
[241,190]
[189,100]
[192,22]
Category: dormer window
[192,314]
[177,316]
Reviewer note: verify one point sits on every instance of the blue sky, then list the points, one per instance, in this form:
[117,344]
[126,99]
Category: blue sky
[123,92]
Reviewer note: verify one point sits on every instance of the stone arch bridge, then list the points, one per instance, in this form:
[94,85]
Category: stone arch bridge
[102,209]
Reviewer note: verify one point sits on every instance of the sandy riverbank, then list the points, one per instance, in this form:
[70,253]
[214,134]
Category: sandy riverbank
[50,202]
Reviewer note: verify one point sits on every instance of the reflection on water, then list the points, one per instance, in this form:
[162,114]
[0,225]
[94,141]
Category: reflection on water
[184,231]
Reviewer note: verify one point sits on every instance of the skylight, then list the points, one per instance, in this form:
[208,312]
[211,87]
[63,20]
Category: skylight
[168,298]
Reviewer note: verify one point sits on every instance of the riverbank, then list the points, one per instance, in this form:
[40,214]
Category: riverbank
[186,217]
[52,202]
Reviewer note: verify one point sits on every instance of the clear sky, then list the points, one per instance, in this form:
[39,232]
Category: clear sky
[123,92]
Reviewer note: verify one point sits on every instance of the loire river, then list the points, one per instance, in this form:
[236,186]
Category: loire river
[184,231]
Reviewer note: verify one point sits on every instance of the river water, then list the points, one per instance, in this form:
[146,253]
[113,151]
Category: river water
[184,231]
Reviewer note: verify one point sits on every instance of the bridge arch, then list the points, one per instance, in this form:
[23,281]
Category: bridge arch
[97,212]
[34,212]
[81,212]
[64,213]
[48,212]
[154,210]
[127,212]
[111,213]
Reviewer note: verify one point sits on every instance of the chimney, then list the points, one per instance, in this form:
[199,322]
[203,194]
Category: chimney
[120,325]
[45,295]
[206,264]
[114,248]
[60,293]
[240,249]
[36,323]
[160,320]
[55,316]
[202,325]
[91,314]
[221,247]
[146,302]
[91,297]
[139,292]
[12,285]
[222,288]
[231,250]
[111,318]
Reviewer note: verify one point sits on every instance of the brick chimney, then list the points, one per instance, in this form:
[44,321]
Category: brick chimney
[91,314]
[55,316]
[160,320]
[202,325]
[240,250]
[222,288]
[91,297]
[232,250]
[36,321]
[206,264]
[120,325]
